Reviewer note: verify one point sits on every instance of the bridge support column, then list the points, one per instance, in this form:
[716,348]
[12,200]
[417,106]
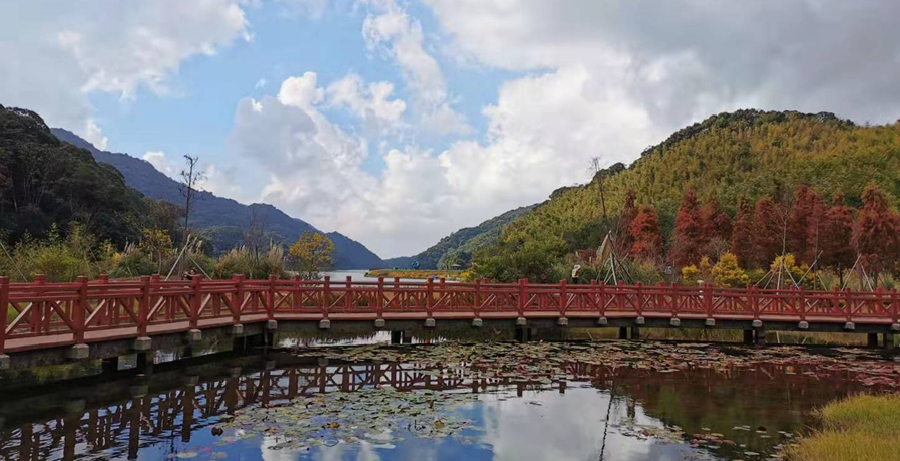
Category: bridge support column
[872,339]
[748,336]
[635,333]
[144,363]
[759,337]
[4,362]
[623,332]
[397,337]
[79,351]
[887,341]
[110,365]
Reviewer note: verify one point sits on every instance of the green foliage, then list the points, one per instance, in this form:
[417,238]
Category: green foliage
[748,153]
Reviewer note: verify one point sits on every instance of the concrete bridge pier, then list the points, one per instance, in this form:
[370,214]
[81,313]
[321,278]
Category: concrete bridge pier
[144,363]
[888,341]
[748,337]
[635,333]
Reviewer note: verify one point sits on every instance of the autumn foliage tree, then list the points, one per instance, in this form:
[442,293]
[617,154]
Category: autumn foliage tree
[626,216]
[836,236]
[690,232]
[768,228]
[876,233]
[803,224]
[312,253]
[742,233]
[645,234]
[716,220]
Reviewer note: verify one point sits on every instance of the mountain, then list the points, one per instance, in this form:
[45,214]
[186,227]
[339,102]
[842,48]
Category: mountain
[747,153]
[400,262]
[44,181]
[223,220]
[458,247]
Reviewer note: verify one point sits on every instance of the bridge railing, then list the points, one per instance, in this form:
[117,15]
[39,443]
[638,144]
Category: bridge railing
[81,311]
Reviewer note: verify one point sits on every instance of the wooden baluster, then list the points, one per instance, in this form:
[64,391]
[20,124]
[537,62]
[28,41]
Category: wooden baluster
[895,309]
[195,301]
[270,298]
[37,309]
[563,297]
[326,297]
[601,298]
[237,299]
[154,296]
[379,306]
[477,306]
[348,301]
[442,295]
[707,300]
[295,296]
[111,308]
[522,294]
[428,297]
[4,311]
[801,300]
[639,306]
[80,309]
[144,306]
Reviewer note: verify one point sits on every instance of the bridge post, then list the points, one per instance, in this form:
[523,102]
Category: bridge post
[522,284]
[326,296]
[379,305]
[271,297]
[563,298]
[144,306]
[193,334]
[429,300]
[4,311]
[872,339]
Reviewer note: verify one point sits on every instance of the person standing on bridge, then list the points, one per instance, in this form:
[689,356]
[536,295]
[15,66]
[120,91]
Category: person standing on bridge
[576,273]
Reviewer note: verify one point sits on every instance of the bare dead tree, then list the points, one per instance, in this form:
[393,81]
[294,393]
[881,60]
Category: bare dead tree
[191,176]
[597,169]
[255,233]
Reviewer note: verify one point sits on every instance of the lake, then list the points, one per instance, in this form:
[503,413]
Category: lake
[613,400]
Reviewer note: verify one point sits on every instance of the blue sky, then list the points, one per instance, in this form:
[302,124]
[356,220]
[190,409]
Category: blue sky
[397,122]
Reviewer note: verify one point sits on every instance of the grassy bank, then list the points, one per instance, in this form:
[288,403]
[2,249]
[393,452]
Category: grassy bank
[864,428]
[414,274]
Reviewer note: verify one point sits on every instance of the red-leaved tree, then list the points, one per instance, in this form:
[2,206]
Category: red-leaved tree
[768,227]
[836,237]
[626,216]
[690,233]
[803,224]
[742,234]
[875,233]
[645,232]
[716,220]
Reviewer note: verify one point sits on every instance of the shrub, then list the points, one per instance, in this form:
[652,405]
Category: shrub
[727,273]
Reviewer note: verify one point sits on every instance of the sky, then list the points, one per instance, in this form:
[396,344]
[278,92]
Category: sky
[398,122]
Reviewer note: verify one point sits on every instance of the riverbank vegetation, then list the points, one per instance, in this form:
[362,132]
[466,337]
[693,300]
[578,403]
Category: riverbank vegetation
[860,428]
[417,274]
[746,197]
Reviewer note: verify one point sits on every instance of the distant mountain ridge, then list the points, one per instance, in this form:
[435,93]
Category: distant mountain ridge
[225,220]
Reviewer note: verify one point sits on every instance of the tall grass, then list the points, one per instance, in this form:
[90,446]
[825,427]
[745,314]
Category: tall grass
[859,428]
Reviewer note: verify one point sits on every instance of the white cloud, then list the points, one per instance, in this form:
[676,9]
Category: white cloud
[57,52]
[301,91]
[94,135]
[162,164]
[370,102]
[396,35]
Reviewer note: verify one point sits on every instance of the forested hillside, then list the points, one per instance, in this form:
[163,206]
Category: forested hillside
[458,247]
[225,222]
[744,156]
[44,181]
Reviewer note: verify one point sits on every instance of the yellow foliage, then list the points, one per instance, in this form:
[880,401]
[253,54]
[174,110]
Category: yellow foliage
[313,253]
[690,273]
[728,273]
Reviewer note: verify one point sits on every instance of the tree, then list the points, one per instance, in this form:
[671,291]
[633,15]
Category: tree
[767,231]
[728,273]
[716,220]
[690,233]
[803,224]
[158,245]
[876,232]
[626,216]
[742,234]
[191,176]
[645,233]
[255,234]
[836,237]
[313,253]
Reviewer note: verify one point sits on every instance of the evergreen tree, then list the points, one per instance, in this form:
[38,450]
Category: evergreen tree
[645,233]
[626,216]
[876,232]
[803,224]
[742,235]
[768,232]
[718,223]
[690,233]
[836,236]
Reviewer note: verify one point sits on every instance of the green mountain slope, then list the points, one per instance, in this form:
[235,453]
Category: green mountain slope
[458,247]
[749,153]
[45,181]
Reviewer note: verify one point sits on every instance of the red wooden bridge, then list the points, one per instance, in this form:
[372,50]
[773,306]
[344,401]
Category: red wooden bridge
[42,315]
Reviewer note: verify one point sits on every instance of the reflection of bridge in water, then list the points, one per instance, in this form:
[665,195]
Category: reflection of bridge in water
[118,419]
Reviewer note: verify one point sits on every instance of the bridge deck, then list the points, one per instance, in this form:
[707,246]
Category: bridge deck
[43,315]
